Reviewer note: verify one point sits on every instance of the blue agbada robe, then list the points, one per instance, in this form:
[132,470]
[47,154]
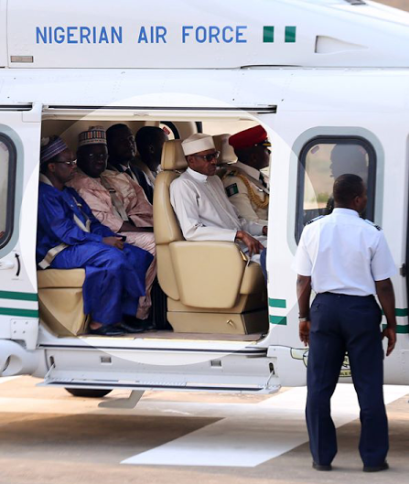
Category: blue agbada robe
[114,279]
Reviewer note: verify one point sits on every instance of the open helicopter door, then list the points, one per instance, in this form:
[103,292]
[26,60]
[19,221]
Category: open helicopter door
[20,132]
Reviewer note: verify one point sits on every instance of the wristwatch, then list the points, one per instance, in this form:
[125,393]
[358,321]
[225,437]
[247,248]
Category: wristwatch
[303,320]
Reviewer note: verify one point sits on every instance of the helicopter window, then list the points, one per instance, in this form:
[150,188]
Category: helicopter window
[7,187]
[321,161]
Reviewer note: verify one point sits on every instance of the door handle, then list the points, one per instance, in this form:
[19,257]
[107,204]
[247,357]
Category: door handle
[5,265]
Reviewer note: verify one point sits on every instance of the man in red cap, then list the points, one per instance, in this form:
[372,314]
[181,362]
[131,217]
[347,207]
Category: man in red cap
[244,183]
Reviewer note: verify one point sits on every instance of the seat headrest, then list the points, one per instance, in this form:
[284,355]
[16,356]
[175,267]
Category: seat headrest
[227,154]
[173,157]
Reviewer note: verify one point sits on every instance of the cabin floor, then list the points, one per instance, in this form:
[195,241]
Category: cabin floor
[47,435]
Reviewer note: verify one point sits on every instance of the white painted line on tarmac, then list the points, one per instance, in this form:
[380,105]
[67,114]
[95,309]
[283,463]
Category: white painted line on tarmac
[249,442]
[5,379]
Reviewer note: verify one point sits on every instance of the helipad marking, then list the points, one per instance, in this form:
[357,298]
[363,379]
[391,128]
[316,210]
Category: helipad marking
[248,442]
[5,379]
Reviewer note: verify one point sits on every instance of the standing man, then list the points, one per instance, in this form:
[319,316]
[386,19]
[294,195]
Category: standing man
[244,182]
[345,260]
[200,202]
[149,142]
[122,152]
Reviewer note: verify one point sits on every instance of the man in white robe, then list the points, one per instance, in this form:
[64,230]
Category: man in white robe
[201,205]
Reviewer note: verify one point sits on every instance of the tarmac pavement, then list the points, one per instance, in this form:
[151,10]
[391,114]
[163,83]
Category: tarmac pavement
[49,436]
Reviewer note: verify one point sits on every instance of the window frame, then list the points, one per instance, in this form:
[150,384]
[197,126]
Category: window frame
[337,140]
[172,127]
[11,189]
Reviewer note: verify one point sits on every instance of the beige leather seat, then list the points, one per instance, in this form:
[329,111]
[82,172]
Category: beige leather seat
[210,287]
[61,302]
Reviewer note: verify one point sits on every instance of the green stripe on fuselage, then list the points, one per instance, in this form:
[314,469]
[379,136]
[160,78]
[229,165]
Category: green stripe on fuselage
[19,296]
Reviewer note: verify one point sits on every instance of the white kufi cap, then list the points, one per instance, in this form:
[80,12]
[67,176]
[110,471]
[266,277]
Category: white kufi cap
[196,143]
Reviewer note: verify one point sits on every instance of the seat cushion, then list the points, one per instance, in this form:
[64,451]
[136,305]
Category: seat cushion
[60,278]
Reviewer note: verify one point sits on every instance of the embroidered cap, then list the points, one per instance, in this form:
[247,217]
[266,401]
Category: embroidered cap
[196,143]
[51,147]
[96,135]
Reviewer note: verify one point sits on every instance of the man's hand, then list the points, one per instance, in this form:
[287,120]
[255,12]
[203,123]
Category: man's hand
[114,242]
[252,244]
[304,330]
[390,333]
[386,296]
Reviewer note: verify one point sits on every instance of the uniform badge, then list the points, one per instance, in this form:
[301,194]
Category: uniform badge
[232,190]
[315,219]
[373,225]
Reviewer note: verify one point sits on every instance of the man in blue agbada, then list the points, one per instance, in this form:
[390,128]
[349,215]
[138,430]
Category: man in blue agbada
[70,237]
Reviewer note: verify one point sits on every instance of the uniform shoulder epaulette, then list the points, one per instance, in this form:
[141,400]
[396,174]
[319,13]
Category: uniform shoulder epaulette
[373,225]
[315,219]
[231,173]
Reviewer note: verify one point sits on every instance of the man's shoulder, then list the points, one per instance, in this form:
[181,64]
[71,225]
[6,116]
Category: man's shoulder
[117,177]
[313,227]
[45,188]
[371,224]
[137,164]
[48,191]
[182,181]
[81,181]
[113,174]
[233,183]
[316,219]
[72,192]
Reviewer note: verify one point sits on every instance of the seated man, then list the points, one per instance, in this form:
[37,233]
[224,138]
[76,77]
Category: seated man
[122,152]
[201,204]
[244,183]
[149,142]
[70,237]
[116,200]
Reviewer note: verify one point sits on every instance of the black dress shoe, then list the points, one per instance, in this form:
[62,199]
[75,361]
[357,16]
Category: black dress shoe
[383,467]
[131,328]
[322,467]
[112,330]
[134,322]
[148,325]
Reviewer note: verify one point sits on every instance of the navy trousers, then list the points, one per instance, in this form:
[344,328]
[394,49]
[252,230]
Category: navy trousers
[263,263]
[114,279]
[341,323]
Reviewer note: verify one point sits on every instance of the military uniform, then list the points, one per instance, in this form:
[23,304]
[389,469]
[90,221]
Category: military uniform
[247,192]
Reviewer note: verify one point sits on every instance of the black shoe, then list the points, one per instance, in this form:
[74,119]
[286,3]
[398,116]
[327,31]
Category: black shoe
[322,467]
[134,322]
[148,325]
[383,467]
[112,330]
[131,328]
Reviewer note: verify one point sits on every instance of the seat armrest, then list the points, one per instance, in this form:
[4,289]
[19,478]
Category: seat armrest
[208,274]
[253,280]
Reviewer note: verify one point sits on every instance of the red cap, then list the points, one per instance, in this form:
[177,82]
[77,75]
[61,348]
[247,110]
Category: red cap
[249,137]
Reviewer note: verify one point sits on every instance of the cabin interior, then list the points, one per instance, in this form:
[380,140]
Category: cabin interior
[204,290]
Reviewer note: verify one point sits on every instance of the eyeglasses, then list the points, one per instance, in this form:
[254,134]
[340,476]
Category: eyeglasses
[210,156]
[69,163]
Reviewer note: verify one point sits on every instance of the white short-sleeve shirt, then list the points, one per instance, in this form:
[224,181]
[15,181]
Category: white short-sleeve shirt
[344,254]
